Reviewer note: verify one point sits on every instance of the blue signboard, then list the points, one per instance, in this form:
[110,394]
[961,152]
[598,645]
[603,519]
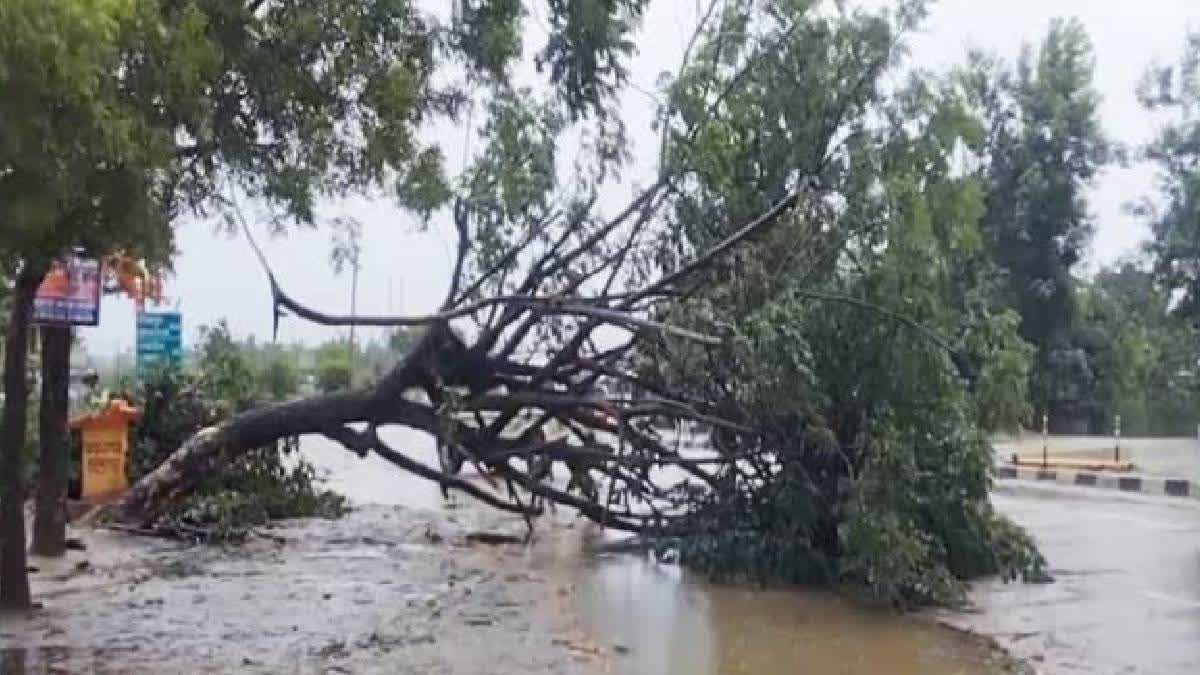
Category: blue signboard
[159,340]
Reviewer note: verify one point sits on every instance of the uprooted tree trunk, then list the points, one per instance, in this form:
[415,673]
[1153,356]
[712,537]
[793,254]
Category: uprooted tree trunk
[54,436]
[212,448]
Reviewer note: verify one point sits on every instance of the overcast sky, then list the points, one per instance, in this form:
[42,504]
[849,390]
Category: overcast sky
[405,269]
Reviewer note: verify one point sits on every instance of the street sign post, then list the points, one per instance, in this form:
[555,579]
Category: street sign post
[159,340]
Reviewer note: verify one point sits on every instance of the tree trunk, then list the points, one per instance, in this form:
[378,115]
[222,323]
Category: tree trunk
[14,578]
[50,517]
[209,450]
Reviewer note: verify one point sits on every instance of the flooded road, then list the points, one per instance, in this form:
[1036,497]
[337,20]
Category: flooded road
[664,620]
[401,585]
[1127,593]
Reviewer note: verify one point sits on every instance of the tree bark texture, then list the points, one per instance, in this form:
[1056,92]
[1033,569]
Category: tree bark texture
[209,450]
[14,577]
[50,516]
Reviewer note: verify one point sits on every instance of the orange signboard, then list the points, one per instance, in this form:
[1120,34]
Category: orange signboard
[70,294]
[105,448]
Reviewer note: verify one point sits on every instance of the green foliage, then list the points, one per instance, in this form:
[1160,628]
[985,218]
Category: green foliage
[265,484]
[333,367]
[1143,358]
[1174,90]
[79,158]
[865,347]
[226,375]
[589,39]
[489,34]
[1043,150]
[292,99]
[278,377]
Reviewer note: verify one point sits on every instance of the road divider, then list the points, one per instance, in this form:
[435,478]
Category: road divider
[1151,485]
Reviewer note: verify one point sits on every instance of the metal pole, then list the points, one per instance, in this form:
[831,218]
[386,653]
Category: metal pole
[1117,438]
[353,312]
[1045,440]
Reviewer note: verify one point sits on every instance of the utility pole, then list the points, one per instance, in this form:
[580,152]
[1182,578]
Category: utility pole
[1045,440]
[348,251]
[1117,439]
[353,307]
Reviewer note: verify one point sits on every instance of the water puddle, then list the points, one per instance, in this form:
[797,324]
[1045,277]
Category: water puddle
[672,622]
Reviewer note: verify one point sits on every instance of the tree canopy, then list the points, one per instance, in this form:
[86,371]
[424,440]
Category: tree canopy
[1042,149]
[1174,90]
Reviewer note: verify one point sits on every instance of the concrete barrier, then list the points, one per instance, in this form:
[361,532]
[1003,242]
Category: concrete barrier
[1150,485]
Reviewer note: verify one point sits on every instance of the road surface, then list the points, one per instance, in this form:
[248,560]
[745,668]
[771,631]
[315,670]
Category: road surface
[1127,593]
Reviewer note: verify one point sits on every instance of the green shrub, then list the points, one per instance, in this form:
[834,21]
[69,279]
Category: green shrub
[333,367]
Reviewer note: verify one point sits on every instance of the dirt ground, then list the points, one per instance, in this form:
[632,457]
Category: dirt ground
[383,590]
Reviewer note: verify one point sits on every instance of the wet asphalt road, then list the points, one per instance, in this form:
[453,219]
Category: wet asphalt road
[1127,593]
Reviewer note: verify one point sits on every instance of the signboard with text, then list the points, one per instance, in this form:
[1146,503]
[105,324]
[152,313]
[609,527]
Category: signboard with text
[105,449]
[70,294]
[159,340]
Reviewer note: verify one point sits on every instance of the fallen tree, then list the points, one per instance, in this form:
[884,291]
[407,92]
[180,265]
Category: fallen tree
[746,291]
[538,351]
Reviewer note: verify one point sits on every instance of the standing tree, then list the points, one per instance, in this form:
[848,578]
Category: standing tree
[76,165]
[54,440]
[1044,147]
[279,376]
[334,362]
[783,165]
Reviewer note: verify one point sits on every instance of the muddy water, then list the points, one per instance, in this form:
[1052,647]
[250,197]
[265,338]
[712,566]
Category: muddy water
[674,623]
[659,619]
